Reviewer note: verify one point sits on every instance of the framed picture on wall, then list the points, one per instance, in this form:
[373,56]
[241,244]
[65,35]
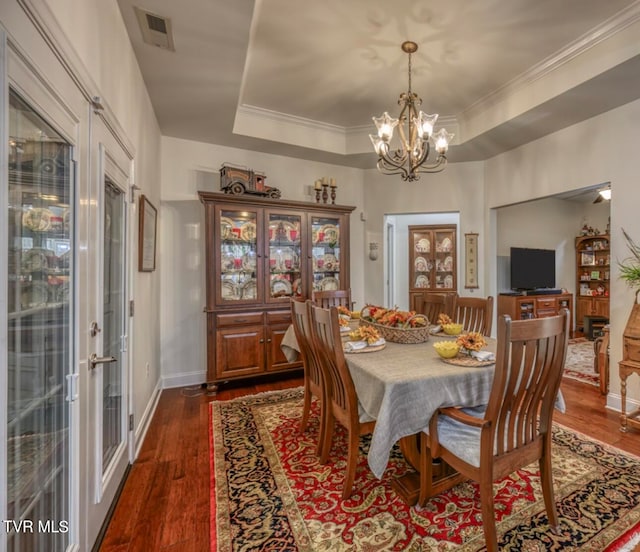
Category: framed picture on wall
[147,227]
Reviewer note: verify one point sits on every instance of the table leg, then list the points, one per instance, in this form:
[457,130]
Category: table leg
[407,487]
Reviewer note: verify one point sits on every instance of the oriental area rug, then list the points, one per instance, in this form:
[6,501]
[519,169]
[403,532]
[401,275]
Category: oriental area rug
[579,362]
[268,492]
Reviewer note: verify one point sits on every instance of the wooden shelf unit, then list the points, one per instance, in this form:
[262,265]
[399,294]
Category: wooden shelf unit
[592,278]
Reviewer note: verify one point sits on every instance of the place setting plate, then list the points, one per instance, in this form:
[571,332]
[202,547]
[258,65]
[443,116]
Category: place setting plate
[350,347]
[466,360]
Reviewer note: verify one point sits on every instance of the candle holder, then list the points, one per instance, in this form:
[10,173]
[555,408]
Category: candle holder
[325,192]
[333,195]
[318,191]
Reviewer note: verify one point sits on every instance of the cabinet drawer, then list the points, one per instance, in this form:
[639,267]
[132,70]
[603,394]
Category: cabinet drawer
[544,313]
[546,303]
[279,317]
[238,319]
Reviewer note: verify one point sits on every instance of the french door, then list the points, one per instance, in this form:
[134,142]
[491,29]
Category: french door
[40,373]
[64,280]
[106,324]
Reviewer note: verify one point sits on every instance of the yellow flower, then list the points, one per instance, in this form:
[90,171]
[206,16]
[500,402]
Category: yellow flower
[472,341]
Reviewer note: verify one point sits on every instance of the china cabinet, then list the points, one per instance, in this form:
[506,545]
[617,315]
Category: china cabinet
[592,279]
[259,254]
[433,261]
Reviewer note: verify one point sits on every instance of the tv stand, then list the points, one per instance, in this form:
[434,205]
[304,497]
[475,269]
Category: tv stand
[544,291]
[524,307]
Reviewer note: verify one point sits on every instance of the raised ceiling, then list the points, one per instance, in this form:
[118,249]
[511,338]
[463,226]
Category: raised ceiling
[303,79]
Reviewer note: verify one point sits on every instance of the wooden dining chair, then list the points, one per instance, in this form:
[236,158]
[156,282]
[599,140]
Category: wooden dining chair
[313,377]
[515,429]
[342,401]
[435,303]
[475,314]
[333,298]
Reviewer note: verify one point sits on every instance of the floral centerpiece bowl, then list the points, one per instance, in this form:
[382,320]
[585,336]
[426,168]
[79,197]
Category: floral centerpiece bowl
[396,325]
[452,329]
[447,349]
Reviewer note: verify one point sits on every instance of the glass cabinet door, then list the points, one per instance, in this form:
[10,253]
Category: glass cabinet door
[325,253]
[421,267]
[239,268]
[285,254]
[445,259]
[39,340]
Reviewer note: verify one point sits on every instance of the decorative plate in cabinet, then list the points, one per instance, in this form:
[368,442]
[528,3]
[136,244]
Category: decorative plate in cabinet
[421,264]
[280,287]
[423,246]
[250,289]
[329,284]
[422,281]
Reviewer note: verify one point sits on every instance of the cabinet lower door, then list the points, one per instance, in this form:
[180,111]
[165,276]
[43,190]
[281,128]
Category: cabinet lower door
[275,357]
[240,351]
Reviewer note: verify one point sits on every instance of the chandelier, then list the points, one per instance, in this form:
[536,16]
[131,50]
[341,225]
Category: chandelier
[415,132]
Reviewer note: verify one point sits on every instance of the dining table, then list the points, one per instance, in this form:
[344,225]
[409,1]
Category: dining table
[402,386]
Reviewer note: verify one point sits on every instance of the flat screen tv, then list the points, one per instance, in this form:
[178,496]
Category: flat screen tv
[532,268]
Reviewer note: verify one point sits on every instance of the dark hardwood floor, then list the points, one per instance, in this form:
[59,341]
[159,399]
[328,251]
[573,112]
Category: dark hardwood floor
[164,505]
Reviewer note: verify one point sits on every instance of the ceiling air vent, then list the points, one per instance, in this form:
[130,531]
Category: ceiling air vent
[156,30]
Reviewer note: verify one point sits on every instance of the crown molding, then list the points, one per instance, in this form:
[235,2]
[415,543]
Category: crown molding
[622,20]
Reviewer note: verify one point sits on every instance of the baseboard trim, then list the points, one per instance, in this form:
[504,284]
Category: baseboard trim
[145,421]
[183,380]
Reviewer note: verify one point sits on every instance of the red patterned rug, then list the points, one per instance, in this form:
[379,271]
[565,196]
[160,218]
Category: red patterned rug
[579,362]
[268,492]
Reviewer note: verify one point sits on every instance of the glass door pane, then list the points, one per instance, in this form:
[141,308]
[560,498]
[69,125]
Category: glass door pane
[285,276]
[238,256]
[40,284]
[325,243]
[113,426]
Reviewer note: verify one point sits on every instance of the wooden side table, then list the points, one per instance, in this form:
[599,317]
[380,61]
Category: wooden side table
[626,368]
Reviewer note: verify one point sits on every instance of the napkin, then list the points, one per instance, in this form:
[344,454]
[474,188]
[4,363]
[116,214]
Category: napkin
[436,329]
[351,346]
[483,355]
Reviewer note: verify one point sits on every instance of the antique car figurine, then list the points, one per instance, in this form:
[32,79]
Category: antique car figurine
[236,180]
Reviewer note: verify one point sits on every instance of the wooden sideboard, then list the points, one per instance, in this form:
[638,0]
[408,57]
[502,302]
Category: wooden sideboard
[524,307]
